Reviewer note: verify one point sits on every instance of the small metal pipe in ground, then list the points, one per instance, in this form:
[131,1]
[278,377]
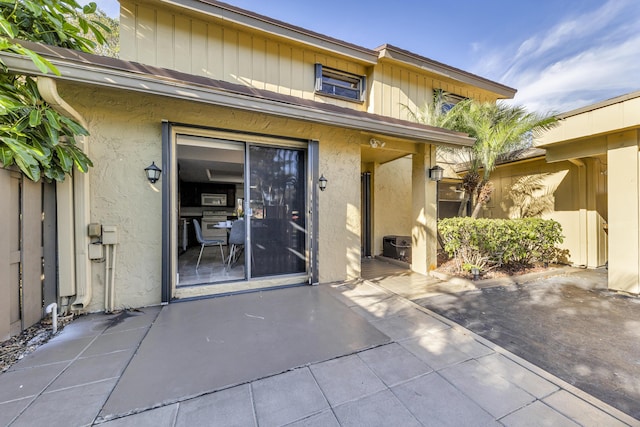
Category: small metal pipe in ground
[53,309]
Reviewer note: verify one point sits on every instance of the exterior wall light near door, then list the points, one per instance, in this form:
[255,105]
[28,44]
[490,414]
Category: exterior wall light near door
[322,182]
[435,173]
[153,172]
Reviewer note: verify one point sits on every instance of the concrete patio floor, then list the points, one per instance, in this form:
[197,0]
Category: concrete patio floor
[382,360]
[570,325]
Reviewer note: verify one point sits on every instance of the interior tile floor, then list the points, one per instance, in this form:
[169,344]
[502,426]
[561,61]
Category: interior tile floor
[212,268]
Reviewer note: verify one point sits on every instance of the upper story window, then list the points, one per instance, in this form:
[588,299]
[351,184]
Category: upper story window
[447,100]
[339,84]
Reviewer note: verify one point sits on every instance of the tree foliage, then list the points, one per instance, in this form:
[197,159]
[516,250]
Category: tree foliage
[499,129]
[33,135]
[111,44]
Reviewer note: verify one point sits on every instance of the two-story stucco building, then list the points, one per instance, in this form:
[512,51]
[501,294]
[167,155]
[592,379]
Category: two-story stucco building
[244,115]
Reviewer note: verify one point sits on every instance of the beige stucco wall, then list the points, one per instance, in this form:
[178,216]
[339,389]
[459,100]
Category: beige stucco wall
[125,137]
[339,216]
[391,201]
[579,203]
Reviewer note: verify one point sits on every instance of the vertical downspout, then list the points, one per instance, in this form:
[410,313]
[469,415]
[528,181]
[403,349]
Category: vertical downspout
[81,208]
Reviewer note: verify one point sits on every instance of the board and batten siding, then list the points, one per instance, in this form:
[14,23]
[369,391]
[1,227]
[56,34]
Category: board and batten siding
[399,92]
[581,213]
[163,38]
[396,91]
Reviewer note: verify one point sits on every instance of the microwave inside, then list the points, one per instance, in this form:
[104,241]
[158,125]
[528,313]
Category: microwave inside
[213,199]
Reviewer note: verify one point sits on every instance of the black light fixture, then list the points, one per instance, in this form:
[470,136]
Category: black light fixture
[322,182]
[435,173]
[153,172]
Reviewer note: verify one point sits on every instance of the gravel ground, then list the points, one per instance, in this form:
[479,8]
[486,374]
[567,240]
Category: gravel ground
[16,347]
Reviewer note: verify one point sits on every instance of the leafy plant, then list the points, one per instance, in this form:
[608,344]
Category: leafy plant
[34,136]
[111,44]
[509,242]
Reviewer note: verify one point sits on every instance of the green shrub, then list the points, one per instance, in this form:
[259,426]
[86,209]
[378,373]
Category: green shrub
[513,243]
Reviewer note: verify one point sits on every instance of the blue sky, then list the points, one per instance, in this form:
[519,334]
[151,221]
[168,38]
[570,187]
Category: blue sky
[559,54]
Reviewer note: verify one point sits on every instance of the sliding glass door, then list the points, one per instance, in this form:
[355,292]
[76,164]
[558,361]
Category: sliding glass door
[277,211]
[240,212]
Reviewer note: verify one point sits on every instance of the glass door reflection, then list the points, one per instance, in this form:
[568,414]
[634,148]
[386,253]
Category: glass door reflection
[278,229]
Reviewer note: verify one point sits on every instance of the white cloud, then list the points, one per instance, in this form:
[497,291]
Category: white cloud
[577,62]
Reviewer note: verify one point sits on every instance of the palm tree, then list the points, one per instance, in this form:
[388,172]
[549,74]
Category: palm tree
[443,111]
[434,113]
[499,129]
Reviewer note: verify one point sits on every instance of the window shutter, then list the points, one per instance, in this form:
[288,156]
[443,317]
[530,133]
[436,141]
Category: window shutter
[318,77]
[363,88]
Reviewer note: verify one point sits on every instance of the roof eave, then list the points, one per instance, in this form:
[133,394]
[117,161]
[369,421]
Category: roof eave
[393,53]
[100,75]
[601,104]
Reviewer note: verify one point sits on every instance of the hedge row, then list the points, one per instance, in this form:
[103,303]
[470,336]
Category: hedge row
[510,242]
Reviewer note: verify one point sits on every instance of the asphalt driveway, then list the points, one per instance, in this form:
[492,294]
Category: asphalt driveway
[569,325]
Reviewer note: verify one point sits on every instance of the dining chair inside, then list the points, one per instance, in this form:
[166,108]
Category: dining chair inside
[236,240]
[206,242]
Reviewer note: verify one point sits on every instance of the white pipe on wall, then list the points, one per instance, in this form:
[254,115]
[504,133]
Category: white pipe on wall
[81,207]
[107,287]
[113,278]
[110,278]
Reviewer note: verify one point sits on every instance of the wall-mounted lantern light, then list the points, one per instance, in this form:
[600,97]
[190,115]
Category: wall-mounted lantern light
[322,182]
[435,173]
[153,172]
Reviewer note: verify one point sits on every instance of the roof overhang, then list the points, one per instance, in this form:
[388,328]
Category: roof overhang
[113,73]
[393,53]
[584,132]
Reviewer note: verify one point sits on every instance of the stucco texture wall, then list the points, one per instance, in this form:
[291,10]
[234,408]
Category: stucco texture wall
[392,201]
[126,136]
[339,204]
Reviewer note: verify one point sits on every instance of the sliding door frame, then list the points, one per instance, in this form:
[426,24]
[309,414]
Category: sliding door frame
[170,208]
